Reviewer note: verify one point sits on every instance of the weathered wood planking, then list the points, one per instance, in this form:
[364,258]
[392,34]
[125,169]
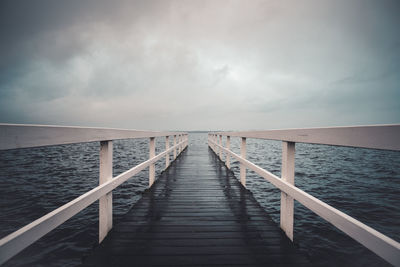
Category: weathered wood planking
[196,214]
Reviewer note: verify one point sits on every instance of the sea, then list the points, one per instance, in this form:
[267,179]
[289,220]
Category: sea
[363,183]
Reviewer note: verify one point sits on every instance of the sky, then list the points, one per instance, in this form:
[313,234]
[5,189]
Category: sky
[200,65]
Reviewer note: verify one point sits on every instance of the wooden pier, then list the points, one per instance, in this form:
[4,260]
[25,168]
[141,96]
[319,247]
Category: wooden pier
[197,214]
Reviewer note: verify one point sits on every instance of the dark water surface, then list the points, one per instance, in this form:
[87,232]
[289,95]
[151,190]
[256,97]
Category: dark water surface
[363,183]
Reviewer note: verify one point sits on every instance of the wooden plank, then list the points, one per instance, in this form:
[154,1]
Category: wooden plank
[242,167]
[105,202]
[167,155]
[22,238]
[377,242]
[287,203]
[194,218]
[152,167]
[373,136]
[22,136]
[174,146]
[228,157]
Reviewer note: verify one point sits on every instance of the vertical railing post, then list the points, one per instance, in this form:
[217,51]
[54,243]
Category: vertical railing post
[105,202]
[287,207]
[167,155]
[179,146]
[242,167]
[216,145]
[220,149]
[174,147]
[152,167]
[228,157]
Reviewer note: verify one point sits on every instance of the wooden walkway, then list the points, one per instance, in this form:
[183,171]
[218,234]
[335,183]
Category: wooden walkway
[196,214]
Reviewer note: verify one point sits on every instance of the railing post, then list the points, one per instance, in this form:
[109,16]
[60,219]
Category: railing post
[179,146]
[167,155]
[287,207]
[216,145]
[105,202]
[152,169]
[220,149]
[213,140]
[242,167]
[182,143]
[228,157]
[174,147]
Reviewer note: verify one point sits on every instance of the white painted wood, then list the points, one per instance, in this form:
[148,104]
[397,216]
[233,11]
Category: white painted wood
[152,167]
[377,242]
[216,147]
[220,143]
[21,136]
[228,157]
[242,166]
[167,155]
[105,202]
[219,150]
[174,146]
[180,146]
[375,136]
[25,236]
[287,203]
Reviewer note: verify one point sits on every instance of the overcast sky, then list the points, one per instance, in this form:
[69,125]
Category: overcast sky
[200,65]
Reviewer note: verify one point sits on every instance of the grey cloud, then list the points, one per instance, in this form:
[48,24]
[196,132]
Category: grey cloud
[199,64]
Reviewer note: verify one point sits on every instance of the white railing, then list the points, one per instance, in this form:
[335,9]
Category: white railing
[376,137]
[14,136]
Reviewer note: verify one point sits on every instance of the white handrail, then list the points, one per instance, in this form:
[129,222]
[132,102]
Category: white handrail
[373,136]
[377,242]
[21,136]
[15,242]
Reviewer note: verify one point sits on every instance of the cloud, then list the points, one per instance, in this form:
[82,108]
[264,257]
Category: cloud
[199,64]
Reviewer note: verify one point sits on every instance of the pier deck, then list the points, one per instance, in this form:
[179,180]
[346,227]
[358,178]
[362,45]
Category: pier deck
[196,214]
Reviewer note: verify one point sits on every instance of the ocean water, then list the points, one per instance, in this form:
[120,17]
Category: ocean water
[363,183]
